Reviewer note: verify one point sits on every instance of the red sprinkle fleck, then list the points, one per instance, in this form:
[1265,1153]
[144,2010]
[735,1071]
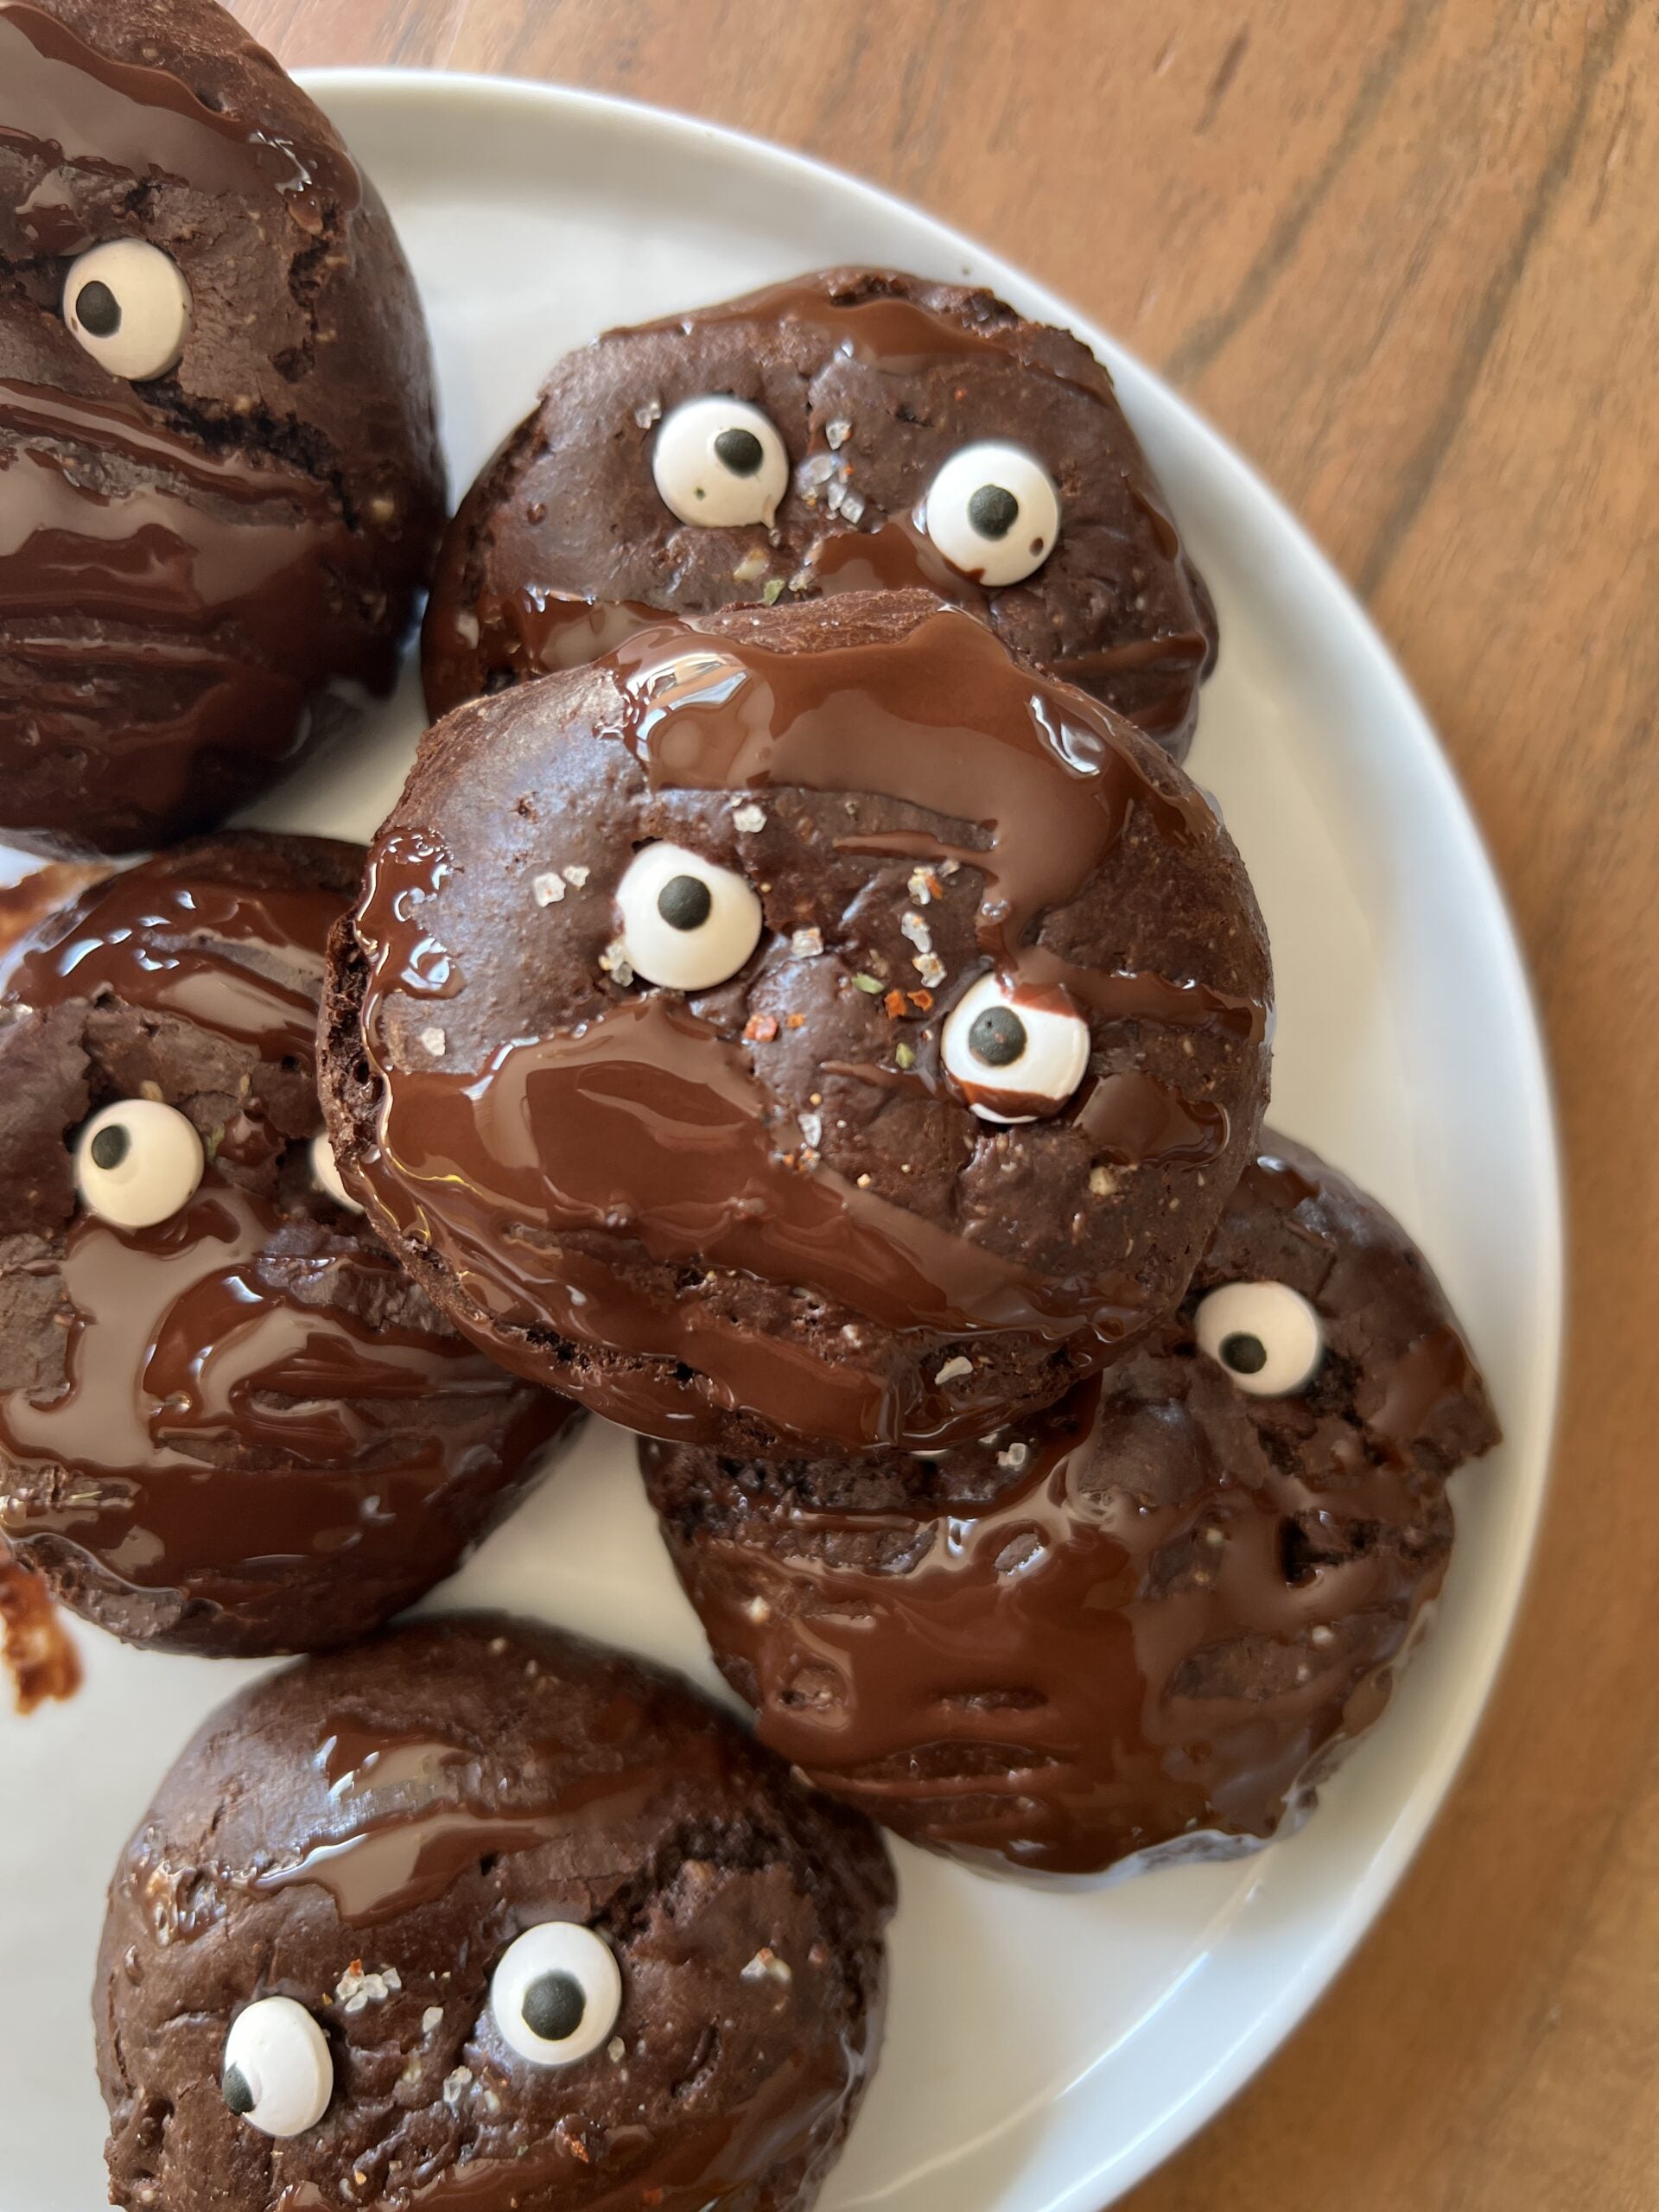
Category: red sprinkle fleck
[760,1028]
[794,1021]
[922,999]
[894,1003]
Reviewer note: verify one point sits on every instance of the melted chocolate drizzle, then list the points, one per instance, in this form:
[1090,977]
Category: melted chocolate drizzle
[219,1416]
[534,629]
[646,1123]
[413,1834]
[1035,1653]
[228,584]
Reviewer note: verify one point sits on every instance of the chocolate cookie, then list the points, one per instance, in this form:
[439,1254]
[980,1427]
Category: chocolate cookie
[228,1421]
[480,1914]
[1145,1624]
[223,489]
[802,1021]
[856,429]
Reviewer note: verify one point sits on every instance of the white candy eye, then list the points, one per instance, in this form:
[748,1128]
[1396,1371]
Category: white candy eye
[277,2075]
[686,924]
[720,463]
[1015,1061]
[557,1993]
[1265,1334]
[325,1173]
[128,304]
[136,1163]
[994,512]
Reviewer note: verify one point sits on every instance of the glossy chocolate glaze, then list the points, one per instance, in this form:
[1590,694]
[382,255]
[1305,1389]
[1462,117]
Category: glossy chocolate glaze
[417,1806]
[234,1411]
[198,574]
[496,616]
[1152,1615]
[647,1120]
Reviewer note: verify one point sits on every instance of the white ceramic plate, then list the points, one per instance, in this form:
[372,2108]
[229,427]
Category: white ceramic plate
[1044,2051]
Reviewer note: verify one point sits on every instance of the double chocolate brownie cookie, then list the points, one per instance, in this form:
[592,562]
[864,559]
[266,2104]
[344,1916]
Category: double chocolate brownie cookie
[853,430]
[481,1915]
[800,1022]
[228,1421]
[223,489]
[1146,1622]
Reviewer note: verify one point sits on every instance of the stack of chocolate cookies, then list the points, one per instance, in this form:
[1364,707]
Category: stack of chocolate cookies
[799,1010]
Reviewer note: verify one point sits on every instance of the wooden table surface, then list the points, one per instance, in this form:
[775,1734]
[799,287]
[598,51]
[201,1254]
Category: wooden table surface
[1406,256]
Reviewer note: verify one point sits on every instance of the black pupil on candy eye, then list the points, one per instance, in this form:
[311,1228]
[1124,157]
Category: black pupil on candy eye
[553,2007]
[237,2094]
[684,902]
[993,512]
[739,451]
[110,1145]
[1244,1354]
[98,309]
[998,1037]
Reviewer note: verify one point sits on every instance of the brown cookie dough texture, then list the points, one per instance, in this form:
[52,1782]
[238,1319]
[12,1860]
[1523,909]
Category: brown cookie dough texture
[239,1428]
[205,561]
[873,381]
[366,1834]
[1144,1624]
[765,1208]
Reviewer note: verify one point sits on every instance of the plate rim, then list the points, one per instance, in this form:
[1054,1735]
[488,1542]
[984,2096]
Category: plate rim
[1300,1989]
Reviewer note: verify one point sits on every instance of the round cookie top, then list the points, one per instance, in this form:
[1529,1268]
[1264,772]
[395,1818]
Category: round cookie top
[228,1421]
[855,429]
[802,1021]
[1145,1623]
[480,1914]
[216,422]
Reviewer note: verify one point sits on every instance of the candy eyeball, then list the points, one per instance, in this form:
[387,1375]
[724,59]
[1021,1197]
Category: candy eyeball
[277,2074]
[994,512]
[687,924]
[1265,1334]
[127,304]
[1013,1061]
[556,1993]
[325,1173]
[719,462]
[136,1162]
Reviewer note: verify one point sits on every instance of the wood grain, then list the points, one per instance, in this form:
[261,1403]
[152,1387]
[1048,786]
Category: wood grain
[1407,256]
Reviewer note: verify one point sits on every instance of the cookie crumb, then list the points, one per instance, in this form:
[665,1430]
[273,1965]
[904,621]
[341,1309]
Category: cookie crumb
[1102,1182]
[431,2018]
[752,564]
[953,1370]
[806,944]
[576,876]
[837,433]
[435,1041]
[455,2085]
[749,816]
[547,889]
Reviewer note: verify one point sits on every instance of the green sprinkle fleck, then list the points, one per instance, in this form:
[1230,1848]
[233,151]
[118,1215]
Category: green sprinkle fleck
[773,590]
[903,1054]
[867,984]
